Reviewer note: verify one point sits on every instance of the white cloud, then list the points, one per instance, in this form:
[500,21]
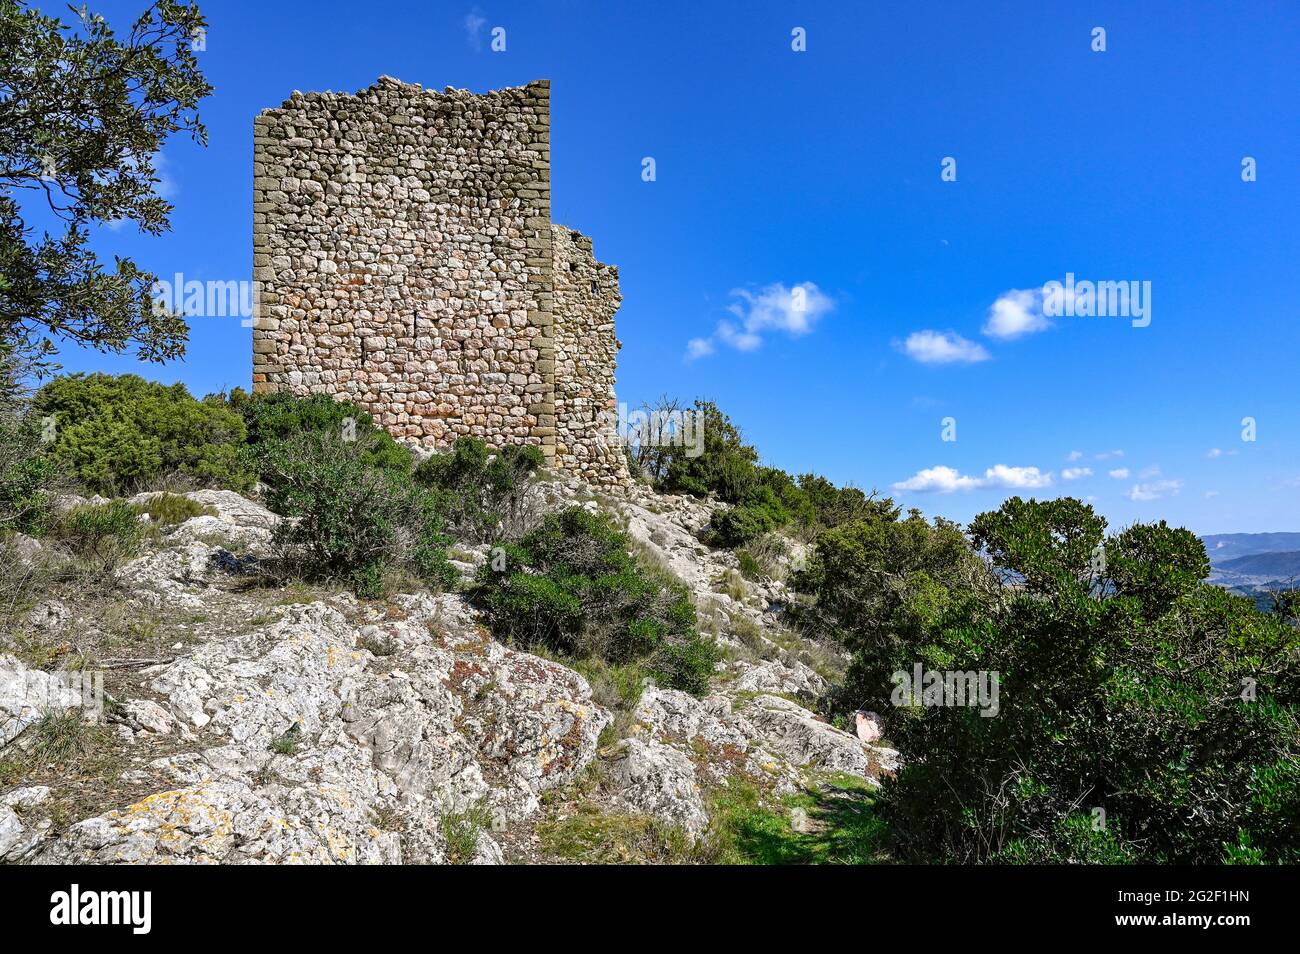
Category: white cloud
[474,23]
[946,480]
[943,480]
[698,348]
[792,310]
[946,347]
[1074,455]
[1016,477]
[1146,473]
[1218,452]
[1107,455]
[1155,490]
[740,340]
[1074,473]
[1016,313]
[1119,473]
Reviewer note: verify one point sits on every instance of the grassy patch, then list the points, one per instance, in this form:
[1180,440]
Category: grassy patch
[835,818]
[168,510]
[593,837]
[76,758]
[733,585]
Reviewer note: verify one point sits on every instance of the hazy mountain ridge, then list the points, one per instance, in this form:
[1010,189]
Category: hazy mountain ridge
[1223,547]
[1254,564]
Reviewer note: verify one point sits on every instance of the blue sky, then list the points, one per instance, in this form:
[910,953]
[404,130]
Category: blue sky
[821,168]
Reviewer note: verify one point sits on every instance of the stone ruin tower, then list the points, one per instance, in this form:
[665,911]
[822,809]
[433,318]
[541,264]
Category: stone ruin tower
[405,259]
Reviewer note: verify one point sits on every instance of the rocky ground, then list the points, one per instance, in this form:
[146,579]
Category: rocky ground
[253,722]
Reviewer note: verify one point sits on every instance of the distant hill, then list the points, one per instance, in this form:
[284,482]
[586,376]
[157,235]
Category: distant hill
[1276,566]
[1253,564]
[1222,547]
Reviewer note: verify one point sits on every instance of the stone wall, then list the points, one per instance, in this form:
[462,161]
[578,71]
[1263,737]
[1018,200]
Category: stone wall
[586,297]
[403,256]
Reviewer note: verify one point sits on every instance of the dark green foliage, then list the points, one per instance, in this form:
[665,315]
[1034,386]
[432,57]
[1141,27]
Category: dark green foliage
[83,114]
[763,498]
[484,494]
[570,586]
[725,467]
[100,536]
[115,434]
[276,417]
[355,520]
[1154,563]
[1125,686]
[26,477]
[748,828]
[750,568]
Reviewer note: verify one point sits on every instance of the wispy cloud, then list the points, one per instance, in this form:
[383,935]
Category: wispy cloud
[1214,452]
[1155,490]
[1076,473]
[941,347]
[698,348]
[1119,473]
[1107,455]
[474,23]
[946,480]
[793,311]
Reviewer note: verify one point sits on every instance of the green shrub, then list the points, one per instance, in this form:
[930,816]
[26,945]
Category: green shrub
[760,514]
[27,477]
[764,498]
[1130,690]
[484,495]
[100,536]
[116,434]
[725,465]
[272,418]
[351,520]
[570,586]
[750,568]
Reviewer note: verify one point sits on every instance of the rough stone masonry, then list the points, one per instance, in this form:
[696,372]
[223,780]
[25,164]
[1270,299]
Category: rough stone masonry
[404,259]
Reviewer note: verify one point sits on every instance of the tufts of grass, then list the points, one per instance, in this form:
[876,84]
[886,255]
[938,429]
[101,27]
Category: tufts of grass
[590,836]
[168,510]
[732,584]
[389,818]
[287,744]
[460,833]
[750,635]
[380,645]
[62,744]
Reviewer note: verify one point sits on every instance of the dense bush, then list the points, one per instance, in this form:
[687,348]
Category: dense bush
[270,418]
[1143,715]
[27,477]
[116,434]
[763,498]
[352,520]
[571,586]
[484,495]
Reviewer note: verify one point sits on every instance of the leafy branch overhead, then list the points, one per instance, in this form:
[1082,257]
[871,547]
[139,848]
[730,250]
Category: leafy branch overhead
[83,114]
